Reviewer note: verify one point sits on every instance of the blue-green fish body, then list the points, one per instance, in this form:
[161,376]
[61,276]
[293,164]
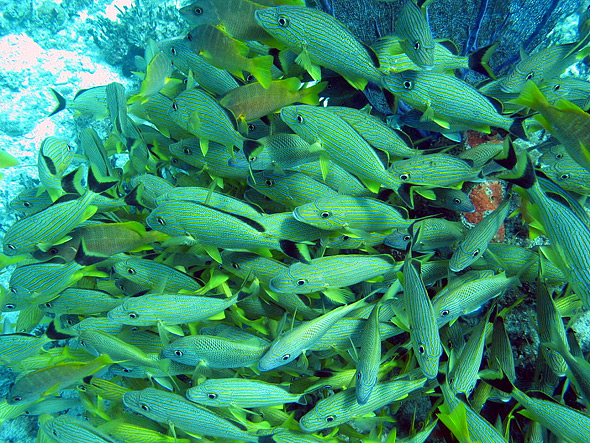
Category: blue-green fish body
[152,187]
[150,274]
[290,188]
[81,301]
[320,40]
[335,271]
[415,35]
[347,332]
[16,347]
[433,169]
[344,212]
[241,393]
[337,178]
[342,407]
[67,429]
[55,155]
[573,89]
[30,201]
[215,352]
[284,225]
[369,357]
[453,199]
[568,174]
[346,241]
[157,110]
[91,101]
[476,240]
[170,408]
[200,114]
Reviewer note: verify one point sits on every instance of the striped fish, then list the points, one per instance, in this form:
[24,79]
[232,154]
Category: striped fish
[320,40]
[152,187]
[150,274]
[94,150]
[172,409]
[289,188]
[215,228]
[369,357]
[342,407]
[201,115]
[55,156]
[476,240]
[67,429]
[168,309]
[30,201]
[216,81]
[375,132]
[422,320]
[568,174]
[337,178]
[284,225]
[240,393]
[414,33]
[347,332]
[573,89]
[293,343]
[220,201]
[335,271]
[91,101]
[129,433]
[566,423]
[500,352]
[345,241]
[550,329]
[547,63]
[16,347]
[215,352]
[469,296]
[231,332]
[81,301]
[105,388]
[339,139]
[445,100]
[215,163]
[433,169]
[173,368]
[157,110]
[429,235]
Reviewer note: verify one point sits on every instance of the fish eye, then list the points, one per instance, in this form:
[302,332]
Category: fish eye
[9,306]
[283,21]
[48,305]
[251,127]
[476,253]
[253,159]
[407,237]
[178,353]
[17,398]
[286,357]
[187,151]
[450,344]
[249,78]
[161,221]
[144,407]
[13,290]
[11,247]
[269,182]
[530,75]
[55,434]
[300,118]
[359,375]
[212,396]
[133,315]
[235,265]
[53,251]
[556,87]
[126,370]
[457,201]
[26,204]
[404,176]
[175,106]
[421,349]
[198,11]
[82,343]
[564,176]
[558,156]
[444,312]
[345,237]
[416,45]
[173,51]
[174,161]
[301,282]
[131,271]
[325,214]
[330,418]
[82,388]
[408,84]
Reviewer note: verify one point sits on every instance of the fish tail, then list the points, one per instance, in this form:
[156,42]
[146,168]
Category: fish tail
[296,250]
[479,60]
[531,96]
[310,96]
[517,128]
[525,175]
[507,159]
[71,183]
[503,384]
[266,439]
[97,183]
[53,334]
[133,198]
[61,102]
[260,69]
[85,257]
[250,147]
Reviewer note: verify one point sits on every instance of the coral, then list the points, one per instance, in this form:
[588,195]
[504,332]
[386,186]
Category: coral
[486,197]
[475,138]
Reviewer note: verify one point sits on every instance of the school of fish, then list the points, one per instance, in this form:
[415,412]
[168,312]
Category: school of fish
[270,263]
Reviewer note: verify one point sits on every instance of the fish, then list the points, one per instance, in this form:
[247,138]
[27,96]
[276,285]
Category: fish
[573,89]
[90,101]
[204,350]
[413,30]
[253,101]
[225,52]
[52,379]
[284,225]
[240,393]
[199,113]
[167,407]
[550,328]
[128,433]
[30,201]
[54,158]
[67,429]
[477,239]
[7,160]
[353,214]
[453,199]
[343,407]
[81,301]
[369,358]
[446,100]
[429,235]
[320,40]
[293,343]
[17,346]
[424,333]
[565,422]
[566,121]
[53,223]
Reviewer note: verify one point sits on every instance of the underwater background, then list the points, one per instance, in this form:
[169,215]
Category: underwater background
[70,46]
